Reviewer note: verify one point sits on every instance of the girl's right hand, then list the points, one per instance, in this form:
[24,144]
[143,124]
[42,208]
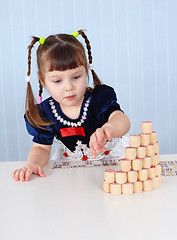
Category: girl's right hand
[23,174]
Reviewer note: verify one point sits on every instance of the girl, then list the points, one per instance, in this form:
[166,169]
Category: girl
[74,114]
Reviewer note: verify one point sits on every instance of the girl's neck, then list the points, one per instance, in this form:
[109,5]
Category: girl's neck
[72,112]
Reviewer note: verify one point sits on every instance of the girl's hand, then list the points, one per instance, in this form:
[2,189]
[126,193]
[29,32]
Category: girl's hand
[99,138]
[24,173]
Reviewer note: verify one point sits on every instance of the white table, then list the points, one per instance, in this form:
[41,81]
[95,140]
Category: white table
[71,204]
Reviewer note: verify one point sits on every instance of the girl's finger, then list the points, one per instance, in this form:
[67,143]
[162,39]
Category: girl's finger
[99,134]
[92,149]
[40,172]
[28,174]
[93,152]
[93,141]
[108,134]
[100,149]
[22,174]
[101,137]
[16,175]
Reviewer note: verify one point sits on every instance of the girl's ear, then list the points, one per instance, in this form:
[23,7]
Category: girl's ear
[41,79]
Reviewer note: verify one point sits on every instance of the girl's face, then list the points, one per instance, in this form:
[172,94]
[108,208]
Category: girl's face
[67,87]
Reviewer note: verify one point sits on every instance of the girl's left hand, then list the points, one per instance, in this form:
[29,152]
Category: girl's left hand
[99,138]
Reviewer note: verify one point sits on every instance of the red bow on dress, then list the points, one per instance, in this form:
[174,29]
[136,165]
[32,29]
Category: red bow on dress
[71,131]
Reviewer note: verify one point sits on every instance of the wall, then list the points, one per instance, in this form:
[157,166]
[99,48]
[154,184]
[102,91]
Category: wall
[134,46]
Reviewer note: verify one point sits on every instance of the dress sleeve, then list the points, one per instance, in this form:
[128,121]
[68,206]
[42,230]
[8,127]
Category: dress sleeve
[105,102]
[40,136]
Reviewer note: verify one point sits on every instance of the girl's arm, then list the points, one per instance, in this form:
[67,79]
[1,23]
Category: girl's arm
[37,158]
[117,126]
[39,154]
[119,123]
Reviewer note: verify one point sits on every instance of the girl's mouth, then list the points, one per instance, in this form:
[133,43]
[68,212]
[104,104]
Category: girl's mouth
[70,97]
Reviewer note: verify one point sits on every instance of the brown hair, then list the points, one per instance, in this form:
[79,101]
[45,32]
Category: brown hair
[62,52]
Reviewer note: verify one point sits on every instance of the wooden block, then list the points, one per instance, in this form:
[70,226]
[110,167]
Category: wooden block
[150,151]
[155,182]
[141,152]
[144,139]
[125,165]
[132,176]
[137,164]
[137,187]
[127,188]
[158,169]
[153,137]
[109,175]
[156,147]
[152,172]
[146,127]
[143,174]
[147,162]
[134,140]
[106,187]
[160,179]
[115,188]
[147,185]
[155,159]
[121,177]
[130,153]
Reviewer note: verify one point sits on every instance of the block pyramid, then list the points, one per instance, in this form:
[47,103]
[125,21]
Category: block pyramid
[140,170]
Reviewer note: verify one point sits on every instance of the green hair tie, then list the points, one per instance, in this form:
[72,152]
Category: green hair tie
[41,40]
[75,34]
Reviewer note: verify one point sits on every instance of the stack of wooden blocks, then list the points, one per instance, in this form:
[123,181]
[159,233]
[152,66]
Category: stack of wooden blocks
[140,170]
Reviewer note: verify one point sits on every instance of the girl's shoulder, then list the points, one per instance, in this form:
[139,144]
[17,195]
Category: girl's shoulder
[46,108]
[104,102]
[103,91]
[45,105]
[46,101]
[102,87]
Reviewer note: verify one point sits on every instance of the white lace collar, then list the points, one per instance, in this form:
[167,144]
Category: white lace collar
[66,122]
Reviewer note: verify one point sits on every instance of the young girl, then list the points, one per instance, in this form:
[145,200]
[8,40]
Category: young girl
[74,113]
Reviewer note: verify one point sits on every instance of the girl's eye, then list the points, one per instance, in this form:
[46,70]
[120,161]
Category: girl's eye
[57,81]
[76,77]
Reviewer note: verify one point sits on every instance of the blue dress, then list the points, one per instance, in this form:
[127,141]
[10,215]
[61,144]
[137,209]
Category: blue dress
[95,111]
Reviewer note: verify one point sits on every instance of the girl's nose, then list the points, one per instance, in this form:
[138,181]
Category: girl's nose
[68,86]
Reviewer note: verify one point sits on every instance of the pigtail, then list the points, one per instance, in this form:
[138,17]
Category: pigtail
[31,108]
[96,80]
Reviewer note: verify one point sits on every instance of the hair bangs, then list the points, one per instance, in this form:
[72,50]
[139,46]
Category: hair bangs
[63,58]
